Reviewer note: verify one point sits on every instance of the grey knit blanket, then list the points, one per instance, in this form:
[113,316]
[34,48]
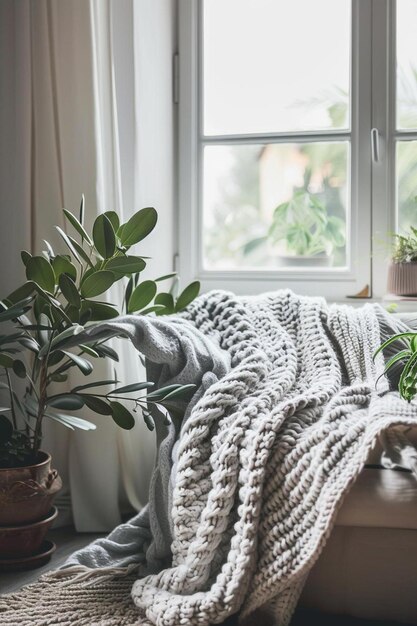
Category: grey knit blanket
[247,487]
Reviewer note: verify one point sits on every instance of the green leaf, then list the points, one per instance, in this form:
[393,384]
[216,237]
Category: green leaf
[88,350]
[100,383]
[166,277]
[166,300]
[85,366]
[128,292]
[66,401]
[82,209]
[6,429]
[99,311]
[397,357]
[97,405]
[62,265]
[40,271]
[73,313]
[122,416]
[14,311]
[10,338]
[29,343]
[142,295]
[80,250]
[19,368]
[49,250]
[253,244]
[402,385]
[70,421]
[106,351]
[6,361]
[133,387]
[159,309]
[104,236]
[69,290]
[181,392]
[164,392]
[77,226]
[59,378]
[22,292]
[187,296]
[147,417]
[125,265]
[391,340]
[25,256]
[138,227]
[74,247]
[68,333]
[97,283]
[114,219]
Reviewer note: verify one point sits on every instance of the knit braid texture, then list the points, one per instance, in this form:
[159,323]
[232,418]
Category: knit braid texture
[263,464]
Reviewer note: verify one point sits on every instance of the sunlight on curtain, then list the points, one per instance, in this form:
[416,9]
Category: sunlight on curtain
[79,117]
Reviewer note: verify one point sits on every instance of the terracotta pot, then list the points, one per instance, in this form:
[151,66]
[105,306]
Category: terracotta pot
[26,493]
[402,279]
[25,540]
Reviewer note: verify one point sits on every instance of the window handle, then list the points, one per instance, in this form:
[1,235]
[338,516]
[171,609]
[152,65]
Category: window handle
[375,144]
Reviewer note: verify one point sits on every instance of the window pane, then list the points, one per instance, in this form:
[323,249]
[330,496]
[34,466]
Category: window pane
[407,184]
[406,64]
[276,65]
[275,205]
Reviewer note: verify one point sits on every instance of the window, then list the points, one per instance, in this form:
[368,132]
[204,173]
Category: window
[406,114]
[298,154]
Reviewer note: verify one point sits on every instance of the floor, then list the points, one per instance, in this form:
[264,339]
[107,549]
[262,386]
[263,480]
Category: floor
[67,541]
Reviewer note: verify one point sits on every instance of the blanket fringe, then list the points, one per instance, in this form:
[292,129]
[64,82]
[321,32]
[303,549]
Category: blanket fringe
[90,576]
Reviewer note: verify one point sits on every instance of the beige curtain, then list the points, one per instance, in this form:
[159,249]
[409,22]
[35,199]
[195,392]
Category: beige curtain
[85,107]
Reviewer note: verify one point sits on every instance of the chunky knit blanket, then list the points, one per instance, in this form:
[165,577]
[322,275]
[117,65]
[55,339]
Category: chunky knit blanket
[261,465]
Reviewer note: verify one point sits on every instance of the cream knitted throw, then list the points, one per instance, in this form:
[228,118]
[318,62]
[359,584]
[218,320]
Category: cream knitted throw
[263,463]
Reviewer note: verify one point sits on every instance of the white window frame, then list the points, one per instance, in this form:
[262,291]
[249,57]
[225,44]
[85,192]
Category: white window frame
[372,191]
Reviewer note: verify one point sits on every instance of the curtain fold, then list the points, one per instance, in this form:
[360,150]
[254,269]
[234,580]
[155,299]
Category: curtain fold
[68,73]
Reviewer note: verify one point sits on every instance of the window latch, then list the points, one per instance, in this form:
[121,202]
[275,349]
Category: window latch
[375,145]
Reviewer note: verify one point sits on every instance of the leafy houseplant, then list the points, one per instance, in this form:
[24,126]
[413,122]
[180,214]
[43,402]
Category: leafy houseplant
[402,272]
[405,360]
[304,230]
[40,323]
[304,226]
[52,307]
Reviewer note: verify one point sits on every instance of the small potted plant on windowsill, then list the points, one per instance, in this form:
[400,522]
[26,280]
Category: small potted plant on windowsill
[302,234]
[40,322]
[402,272]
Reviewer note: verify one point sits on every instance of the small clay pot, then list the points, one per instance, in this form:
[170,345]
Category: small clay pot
[26,493]
[402,279]
[21,541]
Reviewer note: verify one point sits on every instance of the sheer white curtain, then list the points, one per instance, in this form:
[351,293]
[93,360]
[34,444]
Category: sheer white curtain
[86,107]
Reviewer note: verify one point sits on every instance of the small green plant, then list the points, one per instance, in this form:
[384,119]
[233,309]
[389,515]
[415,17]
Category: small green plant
[304,226]
[405,247]
[407,358]
[42,318]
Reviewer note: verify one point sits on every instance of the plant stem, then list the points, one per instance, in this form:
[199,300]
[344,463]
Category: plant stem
[41,407]
[43,394]
[9,382]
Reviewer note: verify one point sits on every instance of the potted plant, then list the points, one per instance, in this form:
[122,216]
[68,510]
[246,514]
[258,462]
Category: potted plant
[309,235]
[402,361]
[39,322]
[302,234]
[402,271]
